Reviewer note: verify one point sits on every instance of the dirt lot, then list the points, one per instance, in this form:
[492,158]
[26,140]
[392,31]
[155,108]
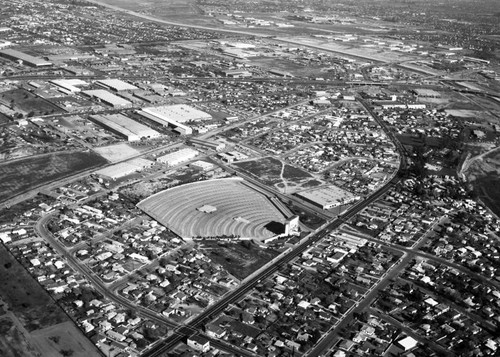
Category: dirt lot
[240,259]
[21,175]
[273,172]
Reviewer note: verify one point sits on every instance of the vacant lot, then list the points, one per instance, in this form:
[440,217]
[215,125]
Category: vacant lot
[240,259]
[52,340]
[22,175]
[293,173]
[267,169]
[4,118]
[488,190]
[25,297]
[12,341]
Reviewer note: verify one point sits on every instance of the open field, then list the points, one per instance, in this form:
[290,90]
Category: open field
[25,297]
[483,174]
[21,175]
[488,190]
[214,208]
[267,169]
[4,118]
[12,341]
[273,172]
[63,337]
[239,259]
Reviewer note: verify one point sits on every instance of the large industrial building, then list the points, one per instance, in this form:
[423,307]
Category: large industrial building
[180,128]
[107,97]
[208,144]
[178,157]
[123,169]
[125,127]
[328,197]
[69,85]
[116,85]
[32,61]
[202,165]
[179,113]
[175,115]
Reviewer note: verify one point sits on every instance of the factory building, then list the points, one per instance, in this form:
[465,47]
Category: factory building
[116,85]
[176,116]
[208,144]
[202,165]
[24,58]
[328,197]
[69,85]
[180,128]
[125,127]
[179,113]
[178,157]
[107,97]
[232,156]
[117,171]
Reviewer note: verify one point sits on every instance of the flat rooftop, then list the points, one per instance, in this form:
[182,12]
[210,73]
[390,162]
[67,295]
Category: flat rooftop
[328,196]
[107,97]
[116,84]
[125,125]
[31,60]
[179,113]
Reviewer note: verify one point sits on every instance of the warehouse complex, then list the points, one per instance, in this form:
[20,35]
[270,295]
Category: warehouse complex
[202,165]
[117,171]
[178,157]
[69,85]
[175,115]
[125,127]
[208,144]
[107,97]
[32,61]
[328,197]
[116,85]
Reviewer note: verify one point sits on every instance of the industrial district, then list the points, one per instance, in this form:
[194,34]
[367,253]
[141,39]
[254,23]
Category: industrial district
[258,179]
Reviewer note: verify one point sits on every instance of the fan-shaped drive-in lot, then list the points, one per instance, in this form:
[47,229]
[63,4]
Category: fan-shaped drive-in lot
[239,210]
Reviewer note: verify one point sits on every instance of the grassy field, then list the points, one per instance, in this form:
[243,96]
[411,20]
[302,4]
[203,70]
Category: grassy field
[266,169]
[293,173]
[488,190]
[25,297]
[21,175]
[12,341]
[240,259]
[52,340]
[4,118]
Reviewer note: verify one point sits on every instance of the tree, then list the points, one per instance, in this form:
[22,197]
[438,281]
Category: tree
[66,353]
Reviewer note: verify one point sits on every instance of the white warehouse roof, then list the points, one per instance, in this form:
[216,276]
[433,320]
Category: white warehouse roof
[179,113]
[107,97]
[177,157]
[125,126]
